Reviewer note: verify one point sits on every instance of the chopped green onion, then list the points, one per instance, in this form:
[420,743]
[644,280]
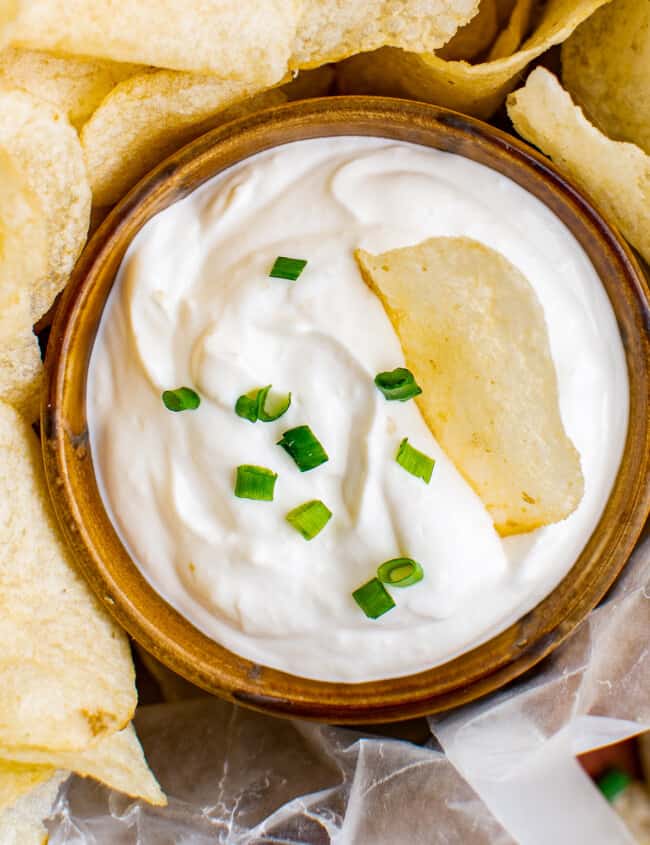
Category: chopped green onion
[310,518]
[256,405]
[417,463]
[268,411]
[287,268]
[398,384]
[246,407]
[373,599]
[255,483]
[613,782]
[304,447]
[400,572]
[181,399]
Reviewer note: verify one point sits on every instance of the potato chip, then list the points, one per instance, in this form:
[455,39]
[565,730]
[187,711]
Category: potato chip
[248,40]
[17,779]
[606,69]
[473,38]
[474,335]
[510,38]
[616,174]
[330,30]
[116,761]
[22,824]
[23,262]
[150,116]
[8,14]
[45,149]
[474,89]
[75,86]
[66,676]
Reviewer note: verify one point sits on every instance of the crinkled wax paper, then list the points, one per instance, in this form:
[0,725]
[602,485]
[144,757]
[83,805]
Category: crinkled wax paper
[499,771]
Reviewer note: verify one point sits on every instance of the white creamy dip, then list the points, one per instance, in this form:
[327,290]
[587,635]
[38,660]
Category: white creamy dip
[194,305]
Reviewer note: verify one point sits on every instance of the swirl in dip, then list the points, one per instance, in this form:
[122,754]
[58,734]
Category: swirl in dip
[194,305]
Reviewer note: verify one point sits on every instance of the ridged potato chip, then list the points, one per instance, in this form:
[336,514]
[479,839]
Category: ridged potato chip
[23,263]
[473,89]
[330,30]
[149,116]
[22,823]
[474,335]
[116,761]
[66,676]
[45,149]
[475,37]
[248,40]
[615,173]
[606,69]
[74,86]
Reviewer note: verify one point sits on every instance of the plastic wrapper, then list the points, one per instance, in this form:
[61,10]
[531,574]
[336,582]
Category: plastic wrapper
[499,771]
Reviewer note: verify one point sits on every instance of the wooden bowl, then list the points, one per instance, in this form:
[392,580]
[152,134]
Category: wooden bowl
[108,567]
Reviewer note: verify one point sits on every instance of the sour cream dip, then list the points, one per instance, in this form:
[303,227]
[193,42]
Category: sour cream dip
[193,304]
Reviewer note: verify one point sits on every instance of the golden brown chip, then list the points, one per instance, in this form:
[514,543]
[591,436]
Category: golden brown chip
[116,761]
[249,40]
[148,117]
[17,779]
[74,86]
[330,30]
[606,69]
[473,38]
[66,676]
[23,262]
[22,824]
[511,37]
[44,148]
[474,335]
[474,89]
[616,174]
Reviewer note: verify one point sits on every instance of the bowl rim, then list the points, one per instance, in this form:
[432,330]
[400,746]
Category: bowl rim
[106,564]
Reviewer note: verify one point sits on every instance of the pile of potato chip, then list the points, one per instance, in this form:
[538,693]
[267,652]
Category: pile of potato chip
[90,100]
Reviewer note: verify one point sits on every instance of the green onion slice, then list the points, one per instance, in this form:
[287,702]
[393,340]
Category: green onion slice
[273,407]
[373,599]
[400,572]
[310,518]
[246,407]
[181,399]
[398,384]
[613,782]
[304,447]
[258,405]
[417,463]
[287,268]
[255,483]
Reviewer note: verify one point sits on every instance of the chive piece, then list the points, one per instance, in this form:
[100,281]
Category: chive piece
[304,447]
[310,518]
[417,463]
[254,406]
[400,572]
[255,483]
[268,412]
[246,407]
[373,599]
[399,384]
[181,399]
[287,268]
[613,782]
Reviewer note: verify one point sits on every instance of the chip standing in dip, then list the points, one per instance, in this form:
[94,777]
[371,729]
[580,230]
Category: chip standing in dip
[196,307]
